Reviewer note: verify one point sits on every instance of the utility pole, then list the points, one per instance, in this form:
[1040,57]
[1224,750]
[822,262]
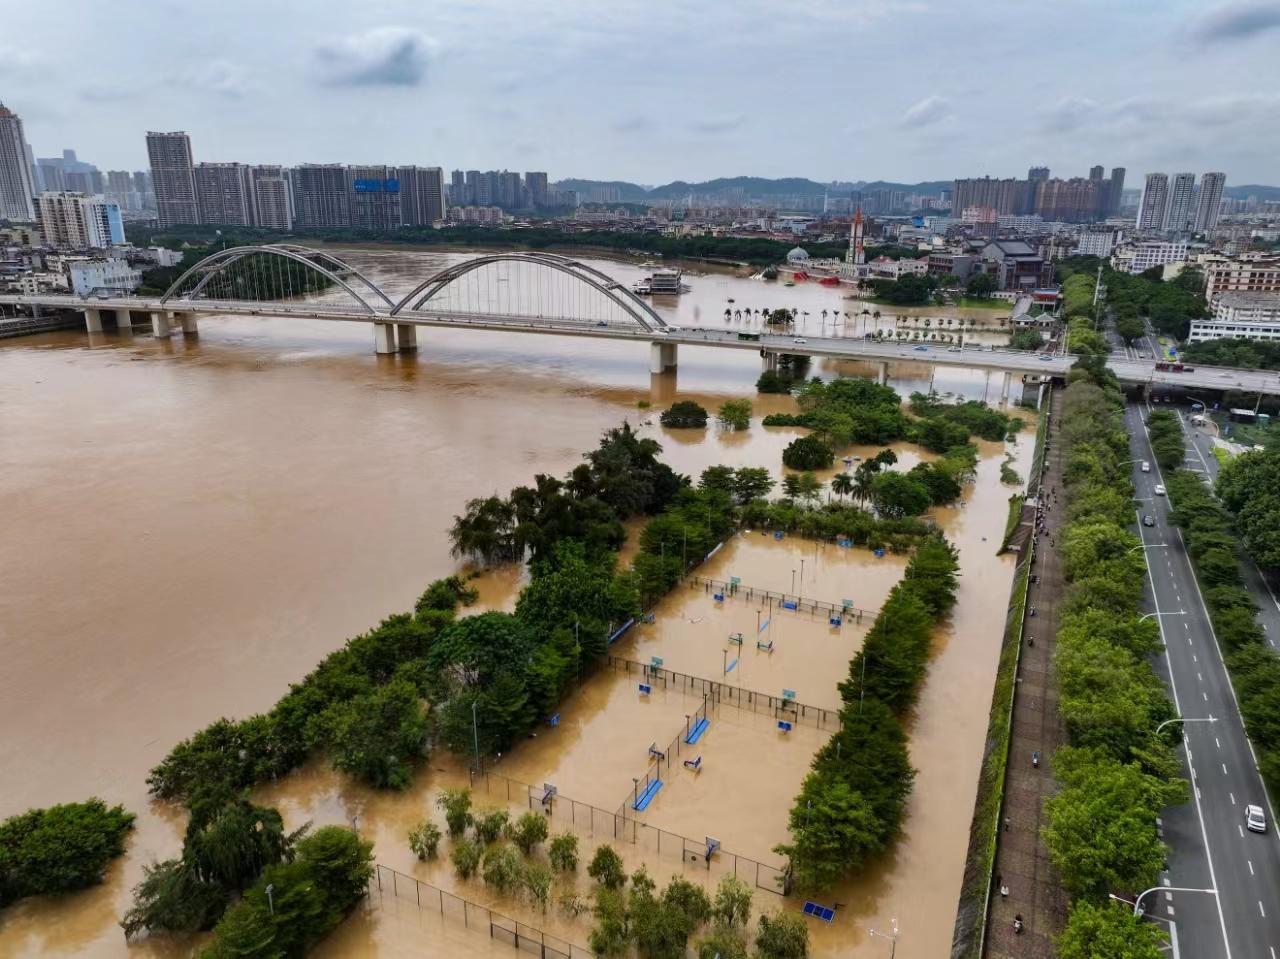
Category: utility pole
[1097,292]
[475,734]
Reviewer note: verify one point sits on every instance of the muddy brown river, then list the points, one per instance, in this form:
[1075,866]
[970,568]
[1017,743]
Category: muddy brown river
[190,525]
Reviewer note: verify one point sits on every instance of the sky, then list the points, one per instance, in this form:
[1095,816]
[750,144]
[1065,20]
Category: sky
[657,90]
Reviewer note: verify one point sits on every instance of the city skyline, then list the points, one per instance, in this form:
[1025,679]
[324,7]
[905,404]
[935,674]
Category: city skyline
[449,87]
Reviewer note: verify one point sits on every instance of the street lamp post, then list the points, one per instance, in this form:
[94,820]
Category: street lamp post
[1181,612]
[1145,546]
[1185,719]
[271,903]
[475,734]
[891,936]
[1137,902]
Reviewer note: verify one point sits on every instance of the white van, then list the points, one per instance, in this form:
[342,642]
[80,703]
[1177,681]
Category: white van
[1146,467]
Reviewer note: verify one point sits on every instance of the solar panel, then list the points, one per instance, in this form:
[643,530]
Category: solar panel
[818,911]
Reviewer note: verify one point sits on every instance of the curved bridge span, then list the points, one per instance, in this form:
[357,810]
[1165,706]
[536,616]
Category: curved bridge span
[532,292]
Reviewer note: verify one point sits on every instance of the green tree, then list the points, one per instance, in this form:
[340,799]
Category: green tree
[1108,929]
[685,414]
[503,868]
[446,595]
[490,824]
[897,494]
[735,414]
[809,485]
[782,936]
[981,286]
[832,831]
[456,804]
[842,485]
[424,839]
[723,943]
[732,906]
[59,848]
[751,482]
[379,737]
[529,830]
[485,532]
[465,856]
[807,453]
[606,868]
[563,852]
[537,881]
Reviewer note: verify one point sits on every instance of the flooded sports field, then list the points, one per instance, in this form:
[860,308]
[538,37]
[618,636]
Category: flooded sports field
[195,523]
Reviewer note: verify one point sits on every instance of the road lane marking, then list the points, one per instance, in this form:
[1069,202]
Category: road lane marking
[1250,862]
[1199,678]
[1241,828]
[1224,769]
[1261,910]
[1217,742]
[1206,696]
[1233,798]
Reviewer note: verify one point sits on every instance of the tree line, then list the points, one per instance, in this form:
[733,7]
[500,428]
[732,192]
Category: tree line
[1116,775]
[851,804]
[1247,506]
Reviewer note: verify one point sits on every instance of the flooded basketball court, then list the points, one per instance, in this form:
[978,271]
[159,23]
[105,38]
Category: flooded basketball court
[202,520]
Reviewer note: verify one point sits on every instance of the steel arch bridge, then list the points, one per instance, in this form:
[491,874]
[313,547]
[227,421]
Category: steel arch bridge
[535,288]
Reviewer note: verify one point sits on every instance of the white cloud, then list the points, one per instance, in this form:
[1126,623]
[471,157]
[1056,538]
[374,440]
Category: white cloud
[221,77]
[383,56]
[929,111]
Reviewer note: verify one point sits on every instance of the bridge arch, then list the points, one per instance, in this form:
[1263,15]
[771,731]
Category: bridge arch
[326,264]
[640,311]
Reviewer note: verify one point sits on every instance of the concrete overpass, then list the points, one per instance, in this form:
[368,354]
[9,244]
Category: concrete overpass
[470,295]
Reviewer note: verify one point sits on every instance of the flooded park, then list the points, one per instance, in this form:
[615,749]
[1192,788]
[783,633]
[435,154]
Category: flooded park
[199,521]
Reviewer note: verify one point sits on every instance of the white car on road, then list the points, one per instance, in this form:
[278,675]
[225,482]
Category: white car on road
[1159,489]
[1255,819]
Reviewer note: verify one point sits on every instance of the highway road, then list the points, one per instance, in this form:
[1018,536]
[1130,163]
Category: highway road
[1211,849]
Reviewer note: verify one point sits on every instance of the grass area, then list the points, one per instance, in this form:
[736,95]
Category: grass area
[1221,455]
[1246,434]
[1015,514]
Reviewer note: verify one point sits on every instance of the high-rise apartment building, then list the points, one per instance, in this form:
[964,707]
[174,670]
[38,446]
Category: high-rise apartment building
[458,188]
[320,196]
[535,186]
[421,195]
[52,176]
[173,178]
[1180,209]
[510,191]
[79,221]
[223,194]
[1210,203]
[1115,190]
[1003,196]
[373,197]
[17,185]
[269,197]
[1155,202]
[1070,201]
[1095,172]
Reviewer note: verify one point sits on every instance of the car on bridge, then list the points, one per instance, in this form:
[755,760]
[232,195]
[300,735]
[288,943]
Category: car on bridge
[921,348]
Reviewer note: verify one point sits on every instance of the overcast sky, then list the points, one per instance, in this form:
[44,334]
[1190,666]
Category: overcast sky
[656,90]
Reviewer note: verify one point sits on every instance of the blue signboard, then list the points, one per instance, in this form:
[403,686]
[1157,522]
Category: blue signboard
[391,186]
[368,186]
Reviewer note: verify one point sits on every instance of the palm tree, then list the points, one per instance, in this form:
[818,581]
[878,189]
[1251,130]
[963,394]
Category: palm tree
[842,485]
[862,480]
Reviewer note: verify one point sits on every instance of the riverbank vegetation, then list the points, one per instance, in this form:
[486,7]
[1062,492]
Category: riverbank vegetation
[851,804]
[1116,775]
[855,411]
[59,849]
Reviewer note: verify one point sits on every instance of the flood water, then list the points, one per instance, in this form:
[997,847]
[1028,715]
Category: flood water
[193,524]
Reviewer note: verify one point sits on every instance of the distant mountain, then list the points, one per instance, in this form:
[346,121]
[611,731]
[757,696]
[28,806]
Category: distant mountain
[746,186]
[1253,189]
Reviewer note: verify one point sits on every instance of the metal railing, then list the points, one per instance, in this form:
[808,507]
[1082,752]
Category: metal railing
[721,693]
[660,758]
[653,842]
[776,600]
[518,935]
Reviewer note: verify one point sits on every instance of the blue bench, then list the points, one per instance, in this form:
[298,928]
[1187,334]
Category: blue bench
[835,621]
[719,597]
[766,646]
[788,604]
[645,689]
[784,726]
[818,911]
[554,720]
[696,732]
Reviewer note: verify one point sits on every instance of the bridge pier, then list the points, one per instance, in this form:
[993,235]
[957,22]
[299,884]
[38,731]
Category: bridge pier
[882,373]
[92,320]
[1005,384]
[662,357]
[124,321]
[161,328]
[768,362]
[406,337]
[189,324]
[384,338]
